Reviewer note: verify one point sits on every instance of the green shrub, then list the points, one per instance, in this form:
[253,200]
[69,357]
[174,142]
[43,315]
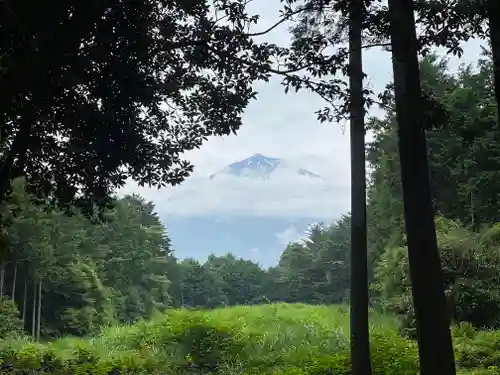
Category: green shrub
[486,371]
[463,331]
[10,321]
[392,354]
[261,340]
[205,346]
[482,350]
[471,267]
[337,364]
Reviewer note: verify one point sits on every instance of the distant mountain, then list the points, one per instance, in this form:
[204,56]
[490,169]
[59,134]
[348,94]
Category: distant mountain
[251,208]
[305,172]
[262,167]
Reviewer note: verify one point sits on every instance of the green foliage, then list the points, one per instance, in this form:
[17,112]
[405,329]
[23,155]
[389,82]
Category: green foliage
[206,347]
[316,270]
[10,322]
[465,181]
[95,274]
[477,349]
[104,86]
[267,339]
[92,274]
[393,355]
[241,280]
[471,265]
[311,271]
[463,156]
[291,339]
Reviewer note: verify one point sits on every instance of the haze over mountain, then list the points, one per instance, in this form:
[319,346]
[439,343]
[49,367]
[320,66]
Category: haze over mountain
[255,217]
[251,208]
[262,167]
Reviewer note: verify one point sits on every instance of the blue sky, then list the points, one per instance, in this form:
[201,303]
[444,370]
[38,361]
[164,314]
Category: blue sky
[277,125]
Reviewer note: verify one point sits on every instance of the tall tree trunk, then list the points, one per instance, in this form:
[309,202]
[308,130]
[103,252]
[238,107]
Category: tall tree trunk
[360,343]
[435,346]
[39,312]
[14,280]
[474,224]
[493,10]
[25,297]
[2,279]
[33,311]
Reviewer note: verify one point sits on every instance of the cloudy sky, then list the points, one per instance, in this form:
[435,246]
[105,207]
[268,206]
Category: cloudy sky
[277,125]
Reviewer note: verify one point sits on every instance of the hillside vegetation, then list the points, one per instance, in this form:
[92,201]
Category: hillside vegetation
[114,276]
[265,339]
[99,94]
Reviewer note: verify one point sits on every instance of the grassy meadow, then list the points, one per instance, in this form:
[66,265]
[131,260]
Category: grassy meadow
[289,339]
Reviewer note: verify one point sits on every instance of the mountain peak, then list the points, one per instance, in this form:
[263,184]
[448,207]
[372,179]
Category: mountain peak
[261,166]
[259,156]
[257,161]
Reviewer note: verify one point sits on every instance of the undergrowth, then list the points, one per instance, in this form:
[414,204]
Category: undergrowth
[288,339]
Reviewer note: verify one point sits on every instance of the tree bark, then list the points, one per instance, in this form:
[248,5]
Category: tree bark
[25,296]
[39,312]
[33,311]
[435,346]
[2,279]
[360,337]
[14,280]
[493,10]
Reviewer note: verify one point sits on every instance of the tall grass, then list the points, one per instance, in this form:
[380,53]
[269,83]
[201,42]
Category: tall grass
[276,339]
[274,331]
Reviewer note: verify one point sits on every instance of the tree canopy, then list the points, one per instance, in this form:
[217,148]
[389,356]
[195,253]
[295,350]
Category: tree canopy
[99,92]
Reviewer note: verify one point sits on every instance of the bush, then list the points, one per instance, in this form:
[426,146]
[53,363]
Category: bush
[268,339]
[206,347]
[471,273]
[261,340]
[482,350]
[10,321]
[392,354]
[38,360]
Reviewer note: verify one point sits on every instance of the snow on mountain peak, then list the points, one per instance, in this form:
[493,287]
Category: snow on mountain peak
[261,167]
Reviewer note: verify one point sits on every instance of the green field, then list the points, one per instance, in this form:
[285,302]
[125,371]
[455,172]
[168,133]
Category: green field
[266,339]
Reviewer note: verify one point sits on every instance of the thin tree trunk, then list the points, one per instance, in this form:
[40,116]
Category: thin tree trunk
[14,280]
[473,213]
[39,312]
[33,316]
[360,343]
[2,279]
[25,296]
[435,346]
[493,9]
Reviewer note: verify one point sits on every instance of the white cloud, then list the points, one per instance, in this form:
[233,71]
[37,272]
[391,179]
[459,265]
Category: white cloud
[283,194]
[282,126]
[288,235]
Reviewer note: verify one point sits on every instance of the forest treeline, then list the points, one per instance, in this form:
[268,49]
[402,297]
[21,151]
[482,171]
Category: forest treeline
[73,275]
[70,275]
